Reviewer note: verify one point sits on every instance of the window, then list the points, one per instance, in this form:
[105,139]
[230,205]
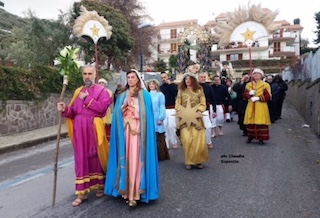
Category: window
[173,47]
[276,47]
[234,57]
[173,33]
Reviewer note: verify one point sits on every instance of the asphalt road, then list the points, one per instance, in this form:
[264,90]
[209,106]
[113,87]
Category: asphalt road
[278,179]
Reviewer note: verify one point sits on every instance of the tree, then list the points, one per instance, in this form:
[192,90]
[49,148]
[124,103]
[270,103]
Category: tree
[5,42]
[1,4]
[38,42]
[160,66]
[317,18]
[134,10]
[173,61]
[121,41]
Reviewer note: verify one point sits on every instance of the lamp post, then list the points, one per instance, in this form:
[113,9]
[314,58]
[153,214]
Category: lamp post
[141,27]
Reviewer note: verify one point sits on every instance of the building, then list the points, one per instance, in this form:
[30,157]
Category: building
[282,43]
[169,36]
[251,39]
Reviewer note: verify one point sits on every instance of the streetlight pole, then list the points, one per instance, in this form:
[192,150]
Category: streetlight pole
[141,27]
[140,51]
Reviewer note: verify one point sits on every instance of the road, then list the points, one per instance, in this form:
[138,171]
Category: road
[278,179]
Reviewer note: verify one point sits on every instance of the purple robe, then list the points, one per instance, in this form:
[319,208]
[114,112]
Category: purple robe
[89,174]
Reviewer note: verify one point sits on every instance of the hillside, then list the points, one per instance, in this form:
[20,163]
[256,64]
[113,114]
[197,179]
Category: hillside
[8,21]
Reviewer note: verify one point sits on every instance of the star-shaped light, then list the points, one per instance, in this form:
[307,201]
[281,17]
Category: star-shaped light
[188,115]
[248,34]
[95,31]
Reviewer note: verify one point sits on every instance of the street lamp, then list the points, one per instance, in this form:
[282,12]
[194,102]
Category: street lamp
[141,27]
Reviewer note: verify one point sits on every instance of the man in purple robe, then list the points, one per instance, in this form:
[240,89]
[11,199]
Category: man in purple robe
[86,131]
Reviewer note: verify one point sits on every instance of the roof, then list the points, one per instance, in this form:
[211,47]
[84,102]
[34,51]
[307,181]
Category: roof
[282,22]
[286,24]
[295,27]
[222,15]
[211,23]
[177,23]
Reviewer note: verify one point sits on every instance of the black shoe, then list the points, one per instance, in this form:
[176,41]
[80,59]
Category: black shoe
[228,120]
[249,140]
[244,134]
[261,142]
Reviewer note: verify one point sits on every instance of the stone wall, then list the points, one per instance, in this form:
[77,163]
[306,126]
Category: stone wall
[305,97]
[20,116]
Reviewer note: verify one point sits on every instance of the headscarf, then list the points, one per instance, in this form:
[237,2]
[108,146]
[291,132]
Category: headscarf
[258,70]
[103,81]
[140,78]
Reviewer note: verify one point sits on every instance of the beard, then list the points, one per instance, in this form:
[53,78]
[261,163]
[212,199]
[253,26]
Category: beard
[87,83]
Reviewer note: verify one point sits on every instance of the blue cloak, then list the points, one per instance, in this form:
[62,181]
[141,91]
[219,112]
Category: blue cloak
[116,183]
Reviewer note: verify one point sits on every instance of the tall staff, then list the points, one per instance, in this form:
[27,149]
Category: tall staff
[68,65]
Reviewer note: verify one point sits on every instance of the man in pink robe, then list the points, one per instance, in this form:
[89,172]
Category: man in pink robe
[86,131]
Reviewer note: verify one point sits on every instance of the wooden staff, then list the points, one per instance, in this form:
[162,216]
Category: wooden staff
[55,167]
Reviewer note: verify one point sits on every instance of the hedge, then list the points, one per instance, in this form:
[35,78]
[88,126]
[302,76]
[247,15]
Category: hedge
[32,84]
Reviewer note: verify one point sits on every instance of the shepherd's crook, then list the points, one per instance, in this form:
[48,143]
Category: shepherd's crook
[55,167]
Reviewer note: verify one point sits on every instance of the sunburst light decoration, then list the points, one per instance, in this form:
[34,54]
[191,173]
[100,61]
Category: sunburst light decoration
[91,24]
[254,16]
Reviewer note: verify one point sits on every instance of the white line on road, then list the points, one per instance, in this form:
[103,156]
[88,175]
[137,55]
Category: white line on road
[34,175]
[37,151]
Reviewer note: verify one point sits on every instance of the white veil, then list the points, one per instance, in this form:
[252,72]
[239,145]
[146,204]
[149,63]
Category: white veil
[143,86]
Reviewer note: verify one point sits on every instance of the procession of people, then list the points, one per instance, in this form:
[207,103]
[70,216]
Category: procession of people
[117,151]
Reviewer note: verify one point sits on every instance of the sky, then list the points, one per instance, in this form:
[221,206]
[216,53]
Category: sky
[177,10]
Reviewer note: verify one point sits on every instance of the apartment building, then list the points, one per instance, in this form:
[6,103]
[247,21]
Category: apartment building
[168,38]
[284,43]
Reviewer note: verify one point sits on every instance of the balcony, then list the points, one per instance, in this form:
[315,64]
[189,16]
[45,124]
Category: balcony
[286,51]
[238,50]
[166,53]
[168,40]
[287,37]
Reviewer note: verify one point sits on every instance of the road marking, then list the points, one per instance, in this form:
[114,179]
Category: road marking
[30,151]
[38,173]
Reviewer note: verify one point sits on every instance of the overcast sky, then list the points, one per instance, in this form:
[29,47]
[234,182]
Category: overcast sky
[175,10]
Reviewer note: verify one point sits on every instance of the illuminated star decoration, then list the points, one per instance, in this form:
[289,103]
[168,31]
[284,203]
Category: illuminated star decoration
[248,35]
[188,115]
[95,31]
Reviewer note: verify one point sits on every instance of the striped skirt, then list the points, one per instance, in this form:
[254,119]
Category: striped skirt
[260,132]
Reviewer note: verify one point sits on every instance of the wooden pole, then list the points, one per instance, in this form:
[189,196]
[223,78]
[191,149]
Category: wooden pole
[97,62]
[55,166]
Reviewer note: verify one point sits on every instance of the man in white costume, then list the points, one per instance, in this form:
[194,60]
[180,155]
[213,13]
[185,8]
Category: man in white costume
[170,91]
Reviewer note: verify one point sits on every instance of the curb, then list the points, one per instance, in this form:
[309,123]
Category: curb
[30,143]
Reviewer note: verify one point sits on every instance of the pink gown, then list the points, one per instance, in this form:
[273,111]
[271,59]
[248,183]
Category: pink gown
[131,116]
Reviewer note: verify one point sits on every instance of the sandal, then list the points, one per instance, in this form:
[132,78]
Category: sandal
[100,193]
[188,167]
[78,201]
[210,146]
[132,203]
